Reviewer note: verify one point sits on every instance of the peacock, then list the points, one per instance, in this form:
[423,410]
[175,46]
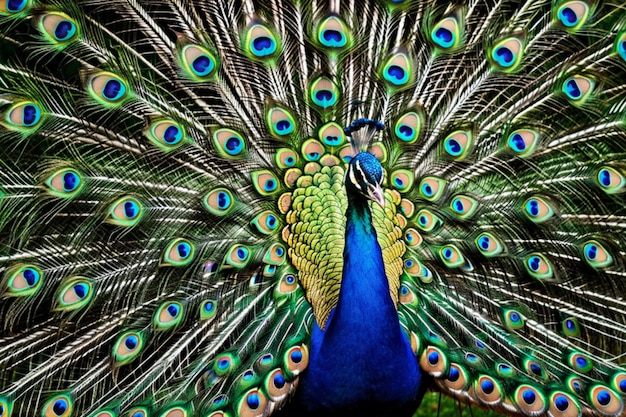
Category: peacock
[328,208]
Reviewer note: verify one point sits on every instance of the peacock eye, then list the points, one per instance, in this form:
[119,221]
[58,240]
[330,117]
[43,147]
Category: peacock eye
[128,346]
[168,315]
[331,134]
[25,280]
[507,54]
[58,406]
[75,294]
[126,211]
[573,14]
[489,244]
[266,222]
[198,63]
[219,201]
[280,122]
[13,7]
[275,255]
[238,256]
[208,309]
[179,252]
[229,144]
[333,33]
[458,144]
[431,188]
[165,134]
[260,42]
[402,180]
[58,28]
[324,93]
[446,35]
[65,183]
[108,89]
[23,116]
[397,71]
[578,88]
[265,182]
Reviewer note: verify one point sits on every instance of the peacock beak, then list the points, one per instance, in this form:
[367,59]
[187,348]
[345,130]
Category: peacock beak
[375,192]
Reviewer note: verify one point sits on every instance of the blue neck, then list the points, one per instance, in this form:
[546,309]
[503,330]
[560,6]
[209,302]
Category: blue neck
[362,357]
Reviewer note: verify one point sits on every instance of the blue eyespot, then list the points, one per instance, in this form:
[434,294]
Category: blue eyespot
[503,56]
[296,356]
[131,209]
[131,342]
[433,357]
[454,374]
[529,396]
[113,90]
[223,200]
[183,249]
[64,30]
[59,407]
[234,145]
[561,402]
[279,380]
[202,65]
[534,262]
[487,386]
[242,253]
[209,306]
[568,17]
[173,310]
[81,290]
[14,6]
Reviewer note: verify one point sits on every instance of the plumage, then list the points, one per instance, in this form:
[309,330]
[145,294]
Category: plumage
[249,208]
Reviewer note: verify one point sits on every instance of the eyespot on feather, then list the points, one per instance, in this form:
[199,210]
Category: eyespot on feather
[65,183]
[265,182]
[506,55]
[408,127]
[458,144]
[447,34]
[179,252]
[333,33]
[23,116]
[427,221]
[229,144]
[14,8]
[127,347]
[75,294]
[126,211]
[108,89]
[323,93]
[280,122]
[562,404]
[58,28]
[168,315]
[434,361]
[530,400]
[219,201]
[610,180]
[488,390]
[165,134]
[572,15]
[22,280]
[198,63]
[538,266]
[261,43]
[58,406]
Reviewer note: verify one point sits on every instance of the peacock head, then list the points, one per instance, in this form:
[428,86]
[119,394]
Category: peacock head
[365,176]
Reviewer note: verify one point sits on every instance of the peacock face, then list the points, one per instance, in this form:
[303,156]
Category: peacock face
[365,175]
